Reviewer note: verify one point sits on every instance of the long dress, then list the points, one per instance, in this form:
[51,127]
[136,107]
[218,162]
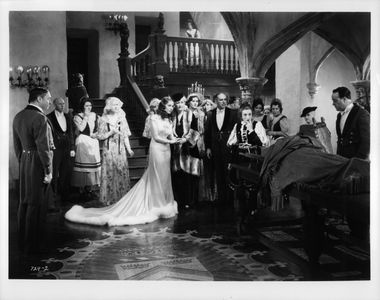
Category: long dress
[115,180]
[86,171]
[151,197]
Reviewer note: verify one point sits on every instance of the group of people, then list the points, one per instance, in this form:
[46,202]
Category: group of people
[192,140]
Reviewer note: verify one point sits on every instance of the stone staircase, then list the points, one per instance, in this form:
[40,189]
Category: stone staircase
[140,145]
[139,162]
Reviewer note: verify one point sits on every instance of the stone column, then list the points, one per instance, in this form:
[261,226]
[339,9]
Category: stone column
[312,88]
[251,87]
[363,98]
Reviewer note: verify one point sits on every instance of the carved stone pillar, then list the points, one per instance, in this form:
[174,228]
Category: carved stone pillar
[312,88]
[363,98]
[251,87]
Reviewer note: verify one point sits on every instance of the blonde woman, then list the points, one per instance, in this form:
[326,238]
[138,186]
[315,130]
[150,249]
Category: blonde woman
[114,131]
[153,106]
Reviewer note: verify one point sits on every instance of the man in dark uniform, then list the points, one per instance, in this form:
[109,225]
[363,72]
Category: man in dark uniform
[353,130]
[220,123]
[64,149]
[33,148]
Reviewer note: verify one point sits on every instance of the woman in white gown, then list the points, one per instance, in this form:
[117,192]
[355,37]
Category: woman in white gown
[152,196]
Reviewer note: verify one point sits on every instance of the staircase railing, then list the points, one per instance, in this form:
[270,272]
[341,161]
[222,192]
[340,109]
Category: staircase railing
[135,105]
[201,56]
[185,55]
[141,64]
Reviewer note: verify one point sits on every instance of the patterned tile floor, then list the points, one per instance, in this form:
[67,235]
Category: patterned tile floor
[199,244]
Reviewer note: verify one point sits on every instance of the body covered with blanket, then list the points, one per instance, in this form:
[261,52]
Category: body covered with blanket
[302,160]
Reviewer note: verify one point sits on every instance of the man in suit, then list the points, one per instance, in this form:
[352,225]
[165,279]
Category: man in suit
[219,125]
[353,130]
[64,150]
[33,149]
[352,125]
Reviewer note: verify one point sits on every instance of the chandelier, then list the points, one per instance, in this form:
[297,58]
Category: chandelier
[196,88]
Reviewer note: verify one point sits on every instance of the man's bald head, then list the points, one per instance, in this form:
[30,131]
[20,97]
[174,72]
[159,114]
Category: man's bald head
[59,104]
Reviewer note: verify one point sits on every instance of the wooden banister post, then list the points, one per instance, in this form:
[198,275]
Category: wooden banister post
[118,24]
[124,61]
[157,41]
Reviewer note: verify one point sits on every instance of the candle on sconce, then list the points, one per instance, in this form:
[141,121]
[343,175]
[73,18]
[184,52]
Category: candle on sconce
[35,76]
[36,70]
[20,70]
[29,72]
[45,71]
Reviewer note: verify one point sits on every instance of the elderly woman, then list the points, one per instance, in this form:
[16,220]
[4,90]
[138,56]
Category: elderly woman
[114,131]
[153,106]
[278,125]
[86,171]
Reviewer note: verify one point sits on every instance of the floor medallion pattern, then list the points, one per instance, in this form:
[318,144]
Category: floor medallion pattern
[163,255]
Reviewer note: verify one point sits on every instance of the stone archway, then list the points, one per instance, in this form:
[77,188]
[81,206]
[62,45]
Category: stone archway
[261,37]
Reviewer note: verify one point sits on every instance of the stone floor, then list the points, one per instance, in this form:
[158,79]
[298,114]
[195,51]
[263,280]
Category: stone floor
[197,244]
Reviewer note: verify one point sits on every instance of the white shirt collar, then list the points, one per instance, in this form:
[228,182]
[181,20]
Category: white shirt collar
[39,108]
[60,114]
[220,110]
[347,109]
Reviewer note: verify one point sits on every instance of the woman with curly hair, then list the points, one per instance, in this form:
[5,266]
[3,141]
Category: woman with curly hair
[86,171]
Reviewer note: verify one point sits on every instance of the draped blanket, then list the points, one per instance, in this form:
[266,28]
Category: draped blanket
[301,160]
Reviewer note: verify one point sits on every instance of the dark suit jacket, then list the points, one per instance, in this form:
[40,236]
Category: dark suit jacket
[75,94]
[33,148]
[354,141]
[215,137]
[62,140]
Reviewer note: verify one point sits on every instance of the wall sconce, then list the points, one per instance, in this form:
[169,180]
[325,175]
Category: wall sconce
[118,24]
[29,77]
[115,22]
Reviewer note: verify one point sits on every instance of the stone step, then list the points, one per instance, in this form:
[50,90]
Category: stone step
[136,171]
[135,141]
[134,179]
[140,150]
[135,161]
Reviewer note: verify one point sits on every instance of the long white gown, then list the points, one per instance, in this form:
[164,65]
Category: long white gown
[151,197]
